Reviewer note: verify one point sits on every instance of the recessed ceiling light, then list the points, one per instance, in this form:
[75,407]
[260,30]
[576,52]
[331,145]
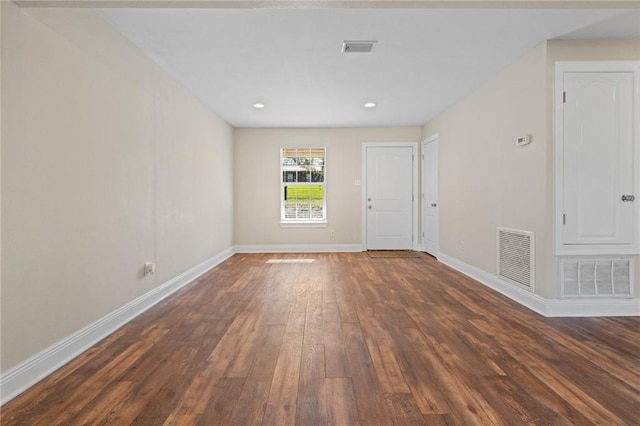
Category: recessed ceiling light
[370,105]
[258,105]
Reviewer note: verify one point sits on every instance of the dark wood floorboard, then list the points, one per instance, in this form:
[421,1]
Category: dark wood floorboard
[345,340]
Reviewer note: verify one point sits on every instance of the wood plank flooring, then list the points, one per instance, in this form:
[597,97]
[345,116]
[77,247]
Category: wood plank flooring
[345,340]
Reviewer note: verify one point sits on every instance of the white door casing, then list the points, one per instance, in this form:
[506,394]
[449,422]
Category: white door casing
[430,208]
[389,196]
[597,157]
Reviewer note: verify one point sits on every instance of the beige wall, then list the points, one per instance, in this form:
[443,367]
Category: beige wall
[593,50]
[0,188]
[486,180]
[106,164]
[257,185]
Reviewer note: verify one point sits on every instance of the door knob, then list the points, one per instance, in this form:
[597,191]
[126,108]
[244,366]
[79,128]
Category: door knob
[369,207]
[628,197]
[369,199]
[433,204]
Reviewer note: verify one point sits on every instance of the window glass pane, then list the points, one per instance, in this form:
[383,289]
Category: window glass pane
[303,177]
[304,202]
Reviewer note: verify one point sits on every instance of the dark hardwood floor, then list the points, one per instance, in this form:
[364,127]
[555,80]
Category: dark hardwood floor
[344,340]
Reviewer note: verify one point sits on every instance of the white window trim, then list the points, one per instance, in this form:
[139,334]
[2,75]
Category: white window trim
[304,224]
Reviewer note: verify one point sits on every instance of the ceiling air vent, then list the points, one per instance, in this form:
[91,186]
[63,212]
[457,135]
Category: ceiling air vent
[358,46]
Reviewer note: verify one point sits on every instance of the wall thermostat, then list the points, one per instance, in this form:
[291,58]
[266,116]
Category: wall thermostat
[524,140]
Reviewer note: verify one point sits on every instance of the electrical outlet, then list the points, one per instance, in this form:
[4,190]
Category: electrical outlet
[149,268]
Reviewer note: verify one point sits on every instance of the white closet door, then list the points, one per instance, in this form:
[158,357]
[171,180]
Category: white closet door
[598,158]
[430,221]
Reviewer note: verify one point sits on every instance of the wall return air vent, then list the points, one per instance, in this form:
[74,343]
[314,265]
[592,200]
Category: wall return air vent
[516,257]
[595,278]
[358,46]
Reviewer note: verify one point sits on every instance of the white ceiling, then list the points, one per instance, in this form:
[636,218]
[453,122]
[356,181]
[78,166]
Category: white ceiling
[291,60]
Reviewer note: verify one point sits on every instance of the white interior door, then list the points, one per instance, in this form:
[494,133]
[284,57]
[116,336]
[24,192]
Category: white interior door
[389,198]
[598,158]
[430,235]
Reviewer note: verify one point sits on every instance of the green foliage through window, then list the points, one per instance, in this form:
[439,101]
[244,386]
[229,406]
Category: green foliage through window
[303,197]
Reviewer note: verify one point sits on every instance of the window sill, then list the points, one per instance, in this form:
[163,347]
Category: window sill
[300,224]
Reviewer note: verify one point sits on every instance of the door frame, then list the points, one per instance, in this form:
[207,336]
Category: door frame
[562,67]
[415,193]
[431,139]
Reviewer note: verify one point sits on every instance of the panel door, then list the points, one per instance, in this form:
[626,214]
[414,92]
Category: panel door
[389,193]
[598,158]
[430,235]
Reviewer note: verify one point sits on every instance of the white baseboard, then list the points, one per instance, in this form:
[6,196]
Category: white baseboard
[593,307]
[31,371]
[298,248]
[524,297]
[547,307]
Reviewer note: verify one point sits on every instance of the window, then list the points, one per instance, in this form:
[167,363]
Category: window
[302,178]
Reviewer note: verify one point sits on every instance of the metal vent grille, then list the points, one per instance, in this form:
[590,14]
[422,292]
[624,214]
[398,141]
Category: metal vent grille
[596,277]
[358,46]
[516,257]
